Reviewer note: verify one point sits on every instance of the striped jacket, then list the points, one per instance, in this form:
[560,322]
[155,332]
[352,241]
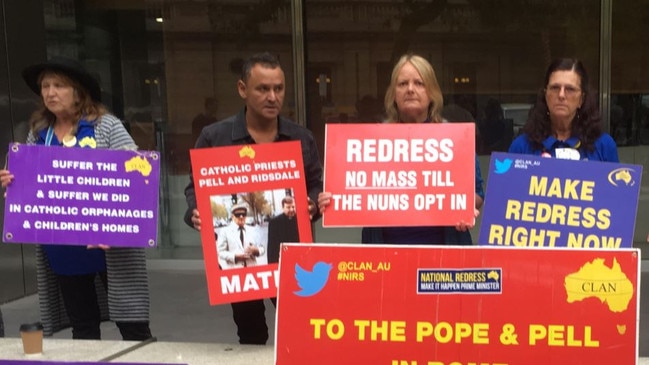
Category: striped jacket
[128,282]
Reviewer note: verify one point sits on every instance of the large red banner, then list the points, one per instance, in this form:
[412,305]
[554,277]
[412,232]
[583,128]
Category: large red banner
[399,174]
[406,305]
[253,180]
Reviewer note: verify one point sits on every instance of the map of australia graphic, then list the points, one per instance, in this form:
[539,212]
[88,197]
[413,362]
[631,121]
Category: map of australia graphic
[596,280]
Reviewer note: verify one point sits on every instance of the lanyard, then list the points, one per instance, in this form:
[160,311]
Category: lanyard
[68,141]
[49,136]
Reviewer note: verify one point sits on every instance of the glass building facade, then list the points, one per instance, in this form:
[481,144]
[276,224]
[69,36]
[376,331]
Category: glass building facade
[158,61]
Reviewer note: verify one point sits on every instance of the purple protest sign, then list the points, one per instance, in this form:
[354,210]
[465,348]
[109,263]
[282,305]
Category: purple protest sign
[73,196]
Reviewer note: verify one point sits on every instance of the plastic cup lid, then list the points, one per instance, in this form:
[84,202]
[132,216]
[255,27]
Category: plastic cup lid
[36,326]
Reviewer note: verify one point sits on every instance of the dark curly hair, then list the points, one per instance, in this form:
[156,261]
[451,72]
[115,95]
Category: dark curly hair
[586,124]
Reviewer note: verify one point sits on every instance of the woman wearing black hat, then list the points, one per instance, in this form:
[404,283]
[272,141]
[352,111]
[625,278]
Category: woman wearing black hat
[71,115]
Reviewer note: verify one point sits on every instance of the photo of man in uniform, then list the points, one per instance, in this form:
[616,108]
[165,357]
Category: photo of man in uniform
[237,244]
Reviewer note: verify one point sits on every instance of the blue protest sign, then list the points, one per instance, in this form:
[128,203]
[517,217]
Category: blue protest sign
[547,202]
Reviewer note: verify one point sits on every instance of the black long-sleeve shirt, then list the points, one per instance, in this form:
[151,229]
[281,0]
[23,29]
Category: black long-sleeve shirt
[232,131]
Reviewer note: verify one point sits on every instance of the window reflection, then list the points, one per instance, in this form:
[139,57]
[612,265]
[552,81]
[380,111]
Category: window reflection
[159,60]
[629,74]
[483,52]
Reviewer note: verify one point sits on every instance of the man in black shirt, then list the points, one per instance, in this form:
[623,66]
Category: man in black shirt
[262,87]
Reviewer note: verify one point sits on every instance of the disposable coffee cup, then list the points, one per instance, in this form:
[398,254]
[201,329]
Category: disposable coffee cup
[32,336]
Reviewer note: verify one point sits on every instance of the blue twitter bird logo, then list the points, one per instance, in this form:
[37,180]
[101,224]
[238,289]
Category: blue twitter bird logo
[503,166]
[311,282]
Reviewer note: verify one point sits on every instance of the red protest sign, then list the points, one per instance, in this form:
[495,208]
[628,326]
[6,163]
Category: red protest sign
[240,191]
[397,305]
[399,174]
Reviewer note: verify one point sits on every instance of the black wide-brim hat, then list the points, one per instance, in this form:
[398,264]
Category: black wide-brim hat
[66,66]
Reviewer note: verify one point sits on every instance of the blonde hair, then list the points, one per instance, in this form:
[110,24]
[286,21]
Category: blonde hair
[86,107]
[433,90]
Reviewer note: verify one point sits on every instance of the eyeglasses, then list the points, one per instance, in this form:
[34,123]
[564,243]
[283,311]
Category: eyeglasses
[569,90]
[239,215]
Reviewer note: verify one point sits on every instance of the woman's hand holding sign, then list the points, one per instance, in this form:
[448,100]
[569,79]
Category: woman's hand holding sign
[5,179]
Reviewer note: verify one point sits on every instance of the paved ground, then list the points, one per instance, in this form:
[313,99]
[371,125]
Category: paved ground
[180,309]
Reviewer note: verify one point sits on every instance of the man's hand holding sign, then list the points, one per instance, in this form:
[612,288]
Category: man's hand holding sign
[238,190]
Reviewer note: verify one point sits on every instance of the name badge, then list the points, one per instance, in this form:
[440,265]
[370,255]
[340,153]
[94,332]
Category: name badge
[567,154]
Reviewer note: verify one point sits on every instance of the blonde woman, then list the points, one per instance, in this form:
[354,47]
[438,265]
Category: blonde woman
[414,96]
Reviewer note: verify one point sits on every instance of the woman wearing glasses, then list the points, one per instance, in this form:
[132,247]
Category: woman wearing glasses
[565,121]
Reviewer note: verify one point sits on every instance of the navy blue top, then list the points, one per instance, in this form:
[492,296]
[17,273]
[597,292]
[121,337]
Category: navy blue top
[605,148]
[232,131]
[414,235]
[72,260]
